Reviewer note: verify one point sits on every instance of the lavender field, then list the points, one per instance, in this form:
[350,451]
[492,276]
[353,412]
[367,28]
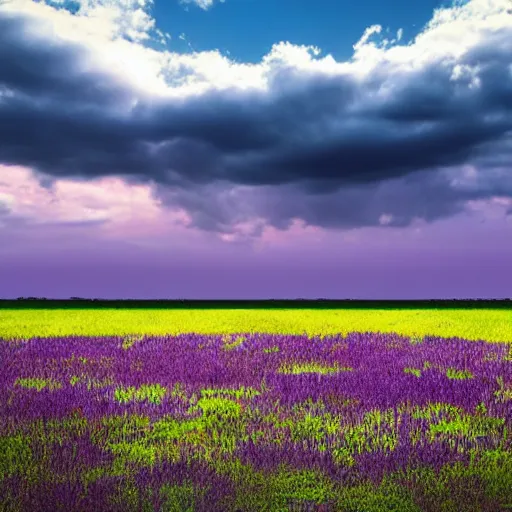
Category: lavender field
[362,422]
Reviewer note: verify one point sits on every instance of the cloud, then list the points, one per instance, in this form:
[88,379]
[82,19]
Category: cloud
[4,208]
[373,29]
[375,141]
[203,4]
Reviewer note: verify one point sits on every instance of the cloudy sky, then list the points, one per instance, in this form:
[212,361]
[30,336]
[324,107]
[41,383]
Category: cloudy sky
[256,149]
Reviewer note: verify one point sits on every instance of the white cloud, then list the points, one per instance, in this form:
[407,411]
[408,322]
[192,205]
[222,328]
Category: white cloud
[373,29]
[103,27]
[163,37]
[203,4]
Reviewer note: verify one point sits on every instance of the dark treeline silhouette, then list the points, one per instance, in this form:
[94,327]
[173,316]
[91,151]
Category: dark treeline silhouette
[79,302]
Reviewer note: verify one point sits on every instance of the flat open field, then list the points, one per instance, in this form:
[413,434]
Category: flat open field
[471,324]
[114,410]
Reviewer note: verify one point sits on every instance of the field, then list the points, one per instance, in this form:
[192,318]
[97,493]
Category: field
[360,410]
[471,324]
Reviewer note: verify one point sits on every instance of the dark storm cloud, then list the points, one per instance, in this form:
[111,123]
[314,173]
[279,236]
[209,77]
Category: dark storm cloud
[311,132]
[422,195]
[32,67]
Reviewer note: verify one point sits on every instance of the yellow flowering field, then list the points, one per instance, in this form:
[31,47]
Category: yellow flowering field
[471,324]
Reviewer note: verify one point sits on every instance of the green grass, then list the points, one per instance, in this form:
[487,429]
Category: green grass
[453,373]
[312,367]
[152,393]
[472,324]
[38,384]
[414,371]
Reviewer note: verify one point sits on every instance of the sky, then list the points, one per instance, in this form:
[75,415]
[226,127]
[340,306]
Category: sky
[254,149]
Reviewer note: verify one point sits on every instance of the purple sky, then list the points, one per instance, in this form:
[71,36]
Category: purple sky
[128,171]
